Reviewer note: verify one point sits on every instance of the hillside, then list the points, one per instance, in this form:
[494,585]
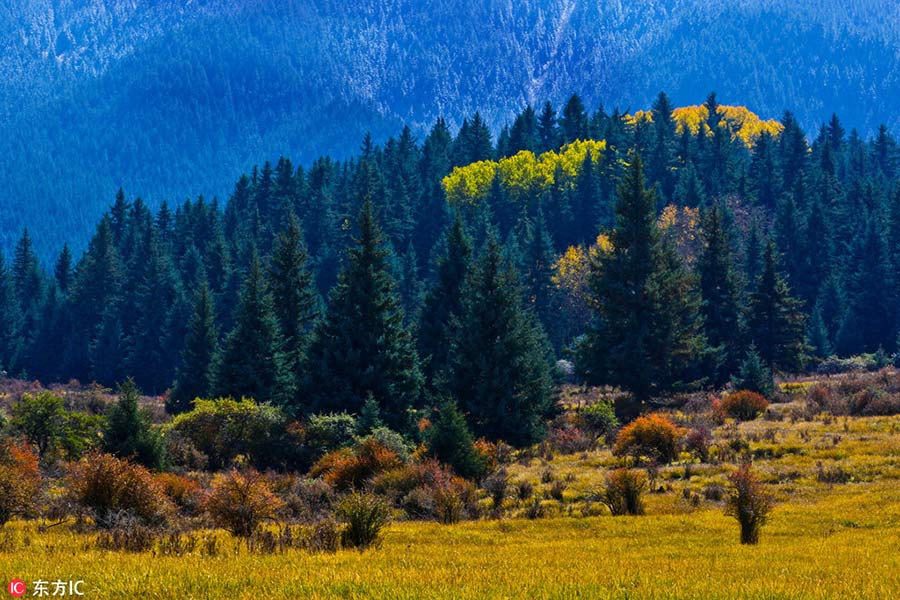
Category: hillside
[172,99]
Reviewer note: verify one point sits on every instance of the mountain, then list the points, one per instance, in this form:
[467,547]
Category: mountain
[173,99]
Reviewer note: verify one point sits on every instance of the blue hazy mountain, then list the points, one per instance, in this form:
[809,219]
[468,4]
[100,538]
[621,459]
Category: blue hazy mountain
[171,99]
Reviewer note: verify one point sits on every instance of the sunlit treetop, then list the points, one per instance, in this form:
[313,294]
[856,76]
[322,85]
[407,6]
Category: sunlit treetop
[743,123]
[521,173]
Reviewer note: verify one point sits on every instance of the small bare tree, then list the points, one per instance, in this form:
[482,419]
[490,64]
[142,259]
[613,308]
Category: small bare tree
[748,502]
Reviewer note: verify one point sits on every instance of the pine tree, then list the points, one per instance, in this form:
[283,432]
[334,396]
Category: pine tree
[547,128]
[574,122]
[63,269]
[660,169]
[128,432]
[10,322]
[775,323]
[410,285]
[720,291]
[450,442]
[295,300]
[537,277]
[586,200]
[754,376]
[149,361]
[647,337]
[443,302]
[27,276]
[94,291]
[689,191]
[195,373]
[817,335]
[362,347]
[871,316]
[251,364]
[500,374]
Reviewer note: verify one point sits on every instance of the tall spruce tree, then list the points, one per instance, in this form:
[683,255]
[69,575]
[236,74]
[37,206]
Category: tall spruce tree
[721,294]
[362,346]
[500,374]
[128,432]
[775,323]
[647,336]
[251,363]
[871,304]
[195,373]
[443,302]
[295,299]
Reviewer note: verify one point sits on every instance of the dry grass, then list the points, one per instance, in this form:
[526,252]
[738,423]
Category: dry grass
[824,540]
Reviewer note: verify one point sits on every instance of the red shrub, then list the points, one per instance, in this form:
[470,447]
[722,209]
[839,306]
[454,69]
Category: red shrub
[108,486]
[350,468]
[185,493]
[241,501]
[569,440]
[744,405]
[652,437]
[748,502]
[20,480]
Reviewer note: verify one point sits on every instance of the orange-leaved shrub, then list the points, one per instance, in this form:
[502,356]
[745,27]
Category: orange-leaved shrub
[624,492]
[653,437]
[185,493]
[20,480]
[349,468]
[748,502]
[744,405]
[239,501]
[109,487]
[428,490]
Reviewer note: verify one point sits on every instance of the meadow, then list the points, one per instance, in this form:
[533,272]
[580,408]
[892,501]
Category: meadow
[834,533]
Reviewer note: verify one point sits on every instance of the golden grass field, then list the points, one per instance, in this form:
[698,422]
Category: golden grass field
[823,540]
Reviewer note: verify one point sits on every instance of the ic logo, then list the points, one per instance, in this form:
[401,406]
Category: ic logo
[17,588]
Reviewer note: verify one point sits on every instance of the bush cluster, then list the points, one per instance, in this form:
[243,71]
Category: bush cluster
[20,480]
[109,487]
[744,405]
[653,438]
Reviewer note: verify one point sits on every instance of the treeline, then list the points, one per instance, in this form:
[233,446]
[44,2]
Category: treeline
[320,288]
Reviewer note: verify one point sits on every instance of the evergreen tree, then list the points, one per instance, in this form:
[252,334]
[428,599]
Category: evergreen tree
[450,442]
[27,276]
[775,322]
[647,337]
[574,122]
[547,129]
[689,191]
[149,361]
[754,375]
[63,269]
[720,292]
[871,305]
[128,432]
[10,322]
[660,168]
[251,364]
[295,300]
[443,302]
[195,373]
[537,277]
[500,374]
[410,286]
[362,346]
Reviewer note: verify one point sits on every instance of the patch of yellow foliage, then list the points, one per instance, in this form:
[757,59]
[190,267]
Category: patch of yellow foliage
[522,173]
[743,123]
[682,226]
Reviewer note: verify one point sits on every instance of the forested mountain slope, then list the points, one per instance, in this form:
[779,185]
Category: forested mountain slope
[172,99]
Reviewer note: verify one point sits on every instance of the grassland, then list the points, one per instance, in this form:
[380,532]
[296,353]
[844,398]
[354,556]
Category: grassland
[824,540]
